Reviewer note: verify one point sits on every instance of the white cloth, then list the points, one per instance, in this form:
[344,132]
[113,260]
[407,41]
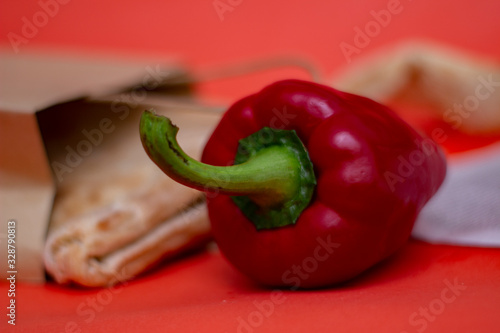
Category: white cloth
[466,209]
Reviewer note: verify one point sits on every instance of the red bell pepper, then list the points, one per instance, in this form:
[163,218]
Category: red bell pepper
[306,186]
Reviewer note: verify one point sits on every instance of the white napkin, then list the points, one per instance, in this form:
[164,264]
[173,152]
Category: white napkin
[466,209]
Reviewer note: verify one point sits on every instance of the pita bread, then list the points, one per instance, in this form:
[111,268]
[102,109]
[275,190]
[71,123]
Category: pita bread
[118,214]
[461,89]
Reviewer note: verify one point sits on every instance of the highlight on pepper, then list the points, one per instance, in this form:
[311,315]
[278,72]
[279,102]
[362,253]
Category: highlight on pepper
[305,202]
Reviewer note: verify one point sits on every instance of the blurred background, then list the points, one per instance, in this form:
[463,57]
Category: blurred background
[205,34]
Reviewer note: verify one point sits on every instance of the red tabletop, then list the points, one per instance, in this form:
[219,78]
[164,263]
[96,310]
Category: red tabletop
[423,288]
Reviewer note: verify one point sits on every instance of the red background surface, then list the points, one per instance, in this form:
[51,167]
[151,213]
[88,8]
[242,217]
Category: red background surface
[410,292]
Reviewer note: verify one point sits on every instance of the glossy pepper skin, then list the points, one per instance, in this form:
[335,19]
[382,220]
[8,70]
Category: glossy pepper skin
[374,173]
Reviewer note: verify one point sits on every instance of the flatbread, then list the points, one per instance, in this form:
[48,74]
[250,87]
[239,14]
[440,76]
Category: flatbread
[118,214]
[461,89]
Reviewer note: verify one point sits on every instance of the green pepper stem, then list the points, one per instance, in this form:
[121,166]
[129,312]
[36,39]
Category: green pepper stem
[269,178]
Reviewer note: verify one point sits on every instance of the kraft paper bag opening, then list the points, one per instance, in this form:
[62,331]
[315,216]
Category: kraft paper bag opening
[47,109]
